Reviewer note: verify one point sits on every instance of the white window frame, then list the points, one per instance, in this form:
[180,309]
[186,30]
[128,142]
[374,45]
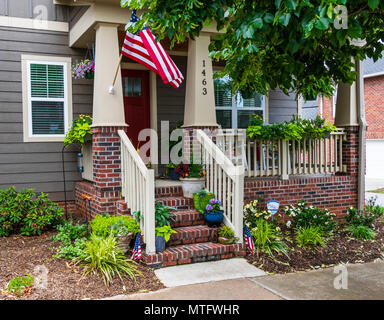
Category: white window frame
[234,108]
[27,60]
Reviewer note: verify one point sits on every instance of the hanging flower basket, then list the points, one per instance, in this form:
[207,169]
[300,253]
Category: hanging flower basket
[84,69]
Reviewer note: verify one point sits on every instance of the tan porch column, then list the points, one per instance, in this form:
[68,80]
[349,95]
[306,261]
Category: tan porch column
[199,98]
[108,109]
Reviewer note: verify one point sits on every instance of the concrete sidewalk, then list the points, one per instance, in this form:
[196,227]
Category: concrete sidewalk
[364,281]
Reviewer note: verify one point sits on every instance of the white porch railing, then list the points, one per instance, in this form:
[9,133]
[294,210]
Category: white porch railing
[268,158]
[225,180]
[138,189]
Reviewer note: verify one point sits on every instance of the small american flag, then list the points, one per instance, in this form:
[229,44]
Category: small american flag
[143,49]
[248,239]
[136,253]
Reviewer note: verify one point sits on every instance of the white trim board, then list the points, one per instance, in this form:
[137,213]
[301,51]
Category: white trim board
[37,24]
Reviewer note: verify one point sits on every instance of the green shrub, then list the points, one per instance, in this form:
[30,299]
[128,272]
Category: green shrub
[226,232]
[362,232]
[355,217]
[252,213]
[267,238]
[72,238]
[104,225]
[25,212]
[18,284]
[306,216]
[310,236]
[102,257]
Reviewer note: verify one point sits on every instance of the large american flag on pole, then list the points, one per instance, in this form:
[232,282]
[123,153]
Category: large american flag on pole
[144,49]
[136,253]
[248,239]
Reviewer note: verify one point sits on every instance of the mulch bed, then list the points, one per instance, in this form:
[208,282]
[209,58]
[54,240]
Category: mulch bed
[340,248]
[20,255]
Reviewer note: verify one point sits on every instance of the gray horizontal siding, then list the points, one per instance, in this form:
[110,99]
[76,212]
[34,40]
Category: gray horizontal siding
[170,101]
[35,164]
[30,9]
[281,107]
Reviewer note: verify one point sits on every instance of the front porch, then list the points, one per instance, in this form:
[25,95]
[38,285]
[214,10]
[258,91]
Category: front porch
[322,171]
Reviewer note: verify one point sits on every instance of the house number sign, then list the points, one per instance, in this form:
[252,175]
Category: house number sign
[204,82]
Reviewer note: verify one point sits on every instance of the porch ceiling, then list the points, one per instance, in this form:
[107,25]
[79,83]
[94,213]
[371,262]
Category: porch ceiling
[82,34]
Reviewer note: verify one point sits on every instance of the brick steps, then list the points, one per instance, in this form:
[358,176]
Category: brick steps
[192,234]
[178,202]
[191,253]
[185,218]
[175,191]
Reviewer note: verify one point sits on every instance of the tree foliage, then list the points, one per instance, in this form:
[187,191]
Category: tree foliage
[267,44]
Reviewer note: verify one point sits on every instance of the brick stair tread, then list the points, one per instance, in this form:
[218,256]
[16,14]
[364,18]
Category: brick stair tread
[192,234]
[176,202]
[168,191]
[188,217]
[197,252]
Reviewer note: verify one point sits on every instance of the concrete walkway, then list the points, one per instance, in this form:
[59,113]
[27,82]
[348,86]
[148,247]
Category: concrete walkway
[355,282]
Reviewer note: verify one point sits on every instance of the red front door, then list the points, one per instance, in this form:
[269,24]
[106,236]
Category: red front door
[136,102]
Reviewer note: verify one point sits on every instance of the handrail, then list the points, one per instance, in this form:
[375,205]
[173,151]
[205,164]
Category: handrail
[226,181]
[138,189]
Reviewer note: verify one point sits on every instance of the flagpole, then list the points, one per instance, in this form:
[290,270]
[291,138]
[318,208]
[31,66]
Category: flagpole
[117,70]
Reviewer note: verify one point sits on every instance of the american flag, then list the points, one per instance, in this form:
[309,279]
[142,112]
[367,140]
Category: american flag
[144,49]
[248,239]
[136,253]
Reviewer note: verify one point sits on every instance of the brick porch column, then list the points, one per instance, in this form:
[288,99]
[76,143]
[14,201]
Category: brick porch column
[106,169]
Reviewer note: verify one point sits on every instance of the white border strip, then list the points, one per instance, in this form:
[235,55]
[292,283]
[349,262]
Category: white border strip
[36,24]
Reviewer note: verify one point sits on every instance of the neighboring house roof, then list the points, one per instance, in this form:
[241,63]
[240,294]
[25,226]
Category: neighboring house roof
[372,69]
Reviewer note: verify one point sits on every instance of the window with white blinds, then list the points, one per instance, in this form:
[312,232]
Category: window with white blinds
[47,98]
[232,110]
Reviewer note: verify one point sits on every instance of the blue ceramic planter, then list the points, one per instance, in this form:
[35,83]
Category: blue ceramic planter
[160,244]
[214,218]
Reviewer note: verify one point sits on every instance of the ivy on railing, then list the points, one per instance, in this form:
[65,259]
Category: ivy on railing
[295,129]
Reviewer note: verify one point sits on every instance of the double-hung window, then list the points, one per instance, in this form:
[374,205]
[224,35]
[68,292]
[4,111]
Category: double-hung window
[232,110]
[47,98]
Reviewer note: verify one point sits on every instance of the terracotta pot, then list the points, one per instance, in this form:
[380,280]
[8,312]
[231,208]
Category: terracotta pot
[123,242]
[191,186]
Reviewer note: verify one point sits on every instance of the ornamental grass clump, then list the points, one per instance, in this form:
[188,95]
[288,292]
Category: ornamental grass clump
[267,238]
[102,257]
[310,236]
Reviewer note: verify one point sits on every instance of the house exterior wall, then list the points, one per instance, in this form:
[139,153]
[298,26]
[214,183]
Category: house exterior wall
[31,9]
[281,106]
[35,164]
[374,106]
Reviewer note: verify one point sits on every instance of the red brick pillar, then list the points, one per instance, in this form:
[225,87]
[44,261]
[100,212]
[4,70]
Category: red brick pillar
[351,156]
[106,169]
[191,144]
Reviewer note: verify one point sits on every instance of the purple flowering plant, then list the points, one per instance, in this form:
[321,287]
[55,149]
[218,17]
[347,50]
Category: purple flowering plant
[213,206]
[84,69]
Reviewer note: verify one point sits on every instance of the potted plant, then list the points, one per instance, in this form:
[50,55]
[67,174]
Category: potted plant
[85,69]
[80,134]
[171,171]
[192,178]
[226,235]
[123,235]
[201,199]
[213,213]
[163,234]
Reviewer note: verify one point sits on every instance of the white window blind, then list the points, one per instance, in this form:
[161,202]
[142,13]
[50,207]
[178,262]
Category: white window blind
[47,98]
[232,110]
